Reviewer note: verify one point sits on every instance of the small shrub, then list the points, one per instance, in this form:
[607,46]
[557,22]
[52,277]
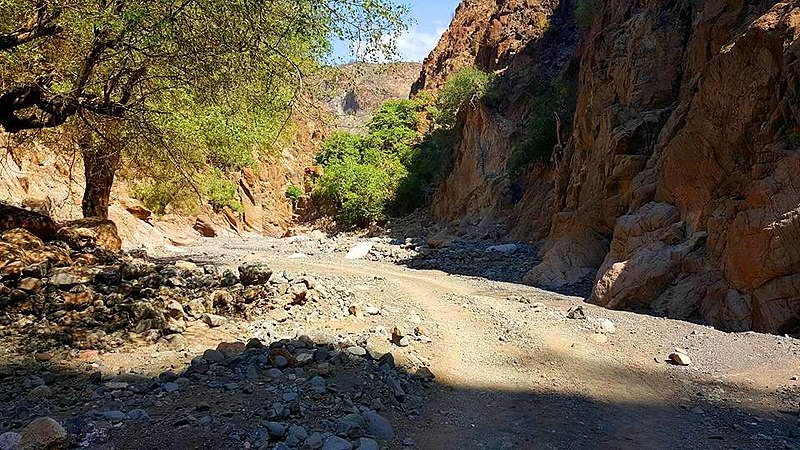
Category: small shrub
[426,167]
[294,193]
[219,190]
[359,192]
[460,88]
[156,196]
[541,135]
[341,146]
[543,23]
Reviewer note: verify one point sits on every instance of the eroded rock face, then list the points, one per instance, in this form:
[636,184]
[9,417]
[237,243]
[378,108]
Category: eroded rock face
[524,41]
[678,190]
[683,157]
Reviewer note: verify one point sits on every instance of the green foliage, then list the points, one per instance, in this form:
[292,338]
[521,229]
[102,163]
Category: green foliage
[294,193]
[542,22]
[198,85]
[219,190]
[340,146]
[464,86]
[540,130]
[363,173]
[426,167]
[358,191]
[155,195]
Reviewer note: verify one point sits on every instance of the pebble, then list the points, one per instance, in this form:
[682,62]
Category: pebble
[42,391]
[318,385]
[357,351]
[378,426]
[606,326]
[276,429]
[296,435]
[116,385]
[336,443]
[281,362]
[139,415]
[115,416]
[213,356]
[360,250]
[170,387]
[9,441]
[680,357]
[367,444]
[314,441]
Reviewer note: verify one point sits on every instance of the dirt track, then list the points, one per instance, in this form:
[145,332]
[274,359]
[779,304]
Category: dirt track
[512,371]
[511,375]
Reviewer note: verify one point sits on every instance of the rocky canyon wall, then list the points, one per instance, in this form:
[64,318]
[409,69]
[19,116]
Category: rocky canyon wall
[522,41]
[678,191]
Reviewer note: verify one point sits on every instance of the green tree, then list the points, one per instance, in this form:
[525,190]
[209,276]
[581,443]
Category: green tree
[120,68]
[460,89]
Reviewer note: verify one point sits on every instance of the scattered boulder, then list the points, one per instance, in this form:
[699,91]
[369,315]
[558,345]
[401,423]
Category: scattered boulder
[206,227]
[135,268]
[378,426]
[606,326]
[360,250]
[40,225]
[43,205]
[44,433]
[577,313]
[680,357]
[22,238]
[254,274]
[102,232]
[213,320]
[137,209]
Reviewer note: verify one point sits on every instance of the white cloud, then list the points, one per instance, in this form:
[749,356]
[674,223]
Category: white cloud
[415,44]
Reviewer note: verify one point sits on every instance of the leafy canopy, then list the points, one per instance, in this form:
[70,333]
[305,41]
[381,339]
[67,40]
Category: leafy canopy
[199,85]
[394,168]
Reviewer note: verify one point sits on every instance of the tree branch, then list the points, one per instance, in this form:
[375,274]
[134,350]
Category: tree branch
[41,24]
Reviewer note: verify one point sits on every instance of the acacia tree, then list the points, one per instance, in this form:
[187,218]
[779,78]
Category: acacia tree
[111,67]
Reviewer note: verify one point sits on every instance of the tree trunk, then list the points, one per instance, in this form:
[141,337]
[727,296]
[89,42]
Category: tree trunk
[101,159]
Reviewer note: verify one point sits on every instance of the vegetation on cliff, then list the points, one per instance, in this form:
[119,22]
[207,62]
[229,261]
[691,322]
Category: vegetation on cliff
[396,166]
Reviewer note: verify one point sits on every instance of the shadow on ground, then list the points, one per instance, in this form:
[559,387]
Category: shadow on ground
[227,399]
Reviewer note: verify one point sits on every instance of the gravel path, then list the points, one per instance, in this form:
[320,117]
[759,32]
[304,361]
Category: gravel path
[512,371]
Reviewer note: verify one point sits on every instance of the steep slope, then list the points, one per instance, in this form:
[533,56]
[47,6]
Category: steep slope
[525,42]
[678,189]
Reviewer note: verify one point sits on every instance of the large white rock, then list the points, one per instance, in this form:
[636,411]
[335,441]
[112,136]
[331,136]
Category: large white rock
[504,248]
[359,250]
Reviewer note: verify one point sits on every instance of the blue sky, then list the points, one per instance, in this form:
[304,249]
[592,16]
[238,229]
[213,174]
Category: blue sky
[430,20]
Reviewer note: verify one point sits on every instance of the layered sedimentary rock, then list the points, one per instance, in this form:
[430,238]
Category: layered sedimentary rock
[679,189]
